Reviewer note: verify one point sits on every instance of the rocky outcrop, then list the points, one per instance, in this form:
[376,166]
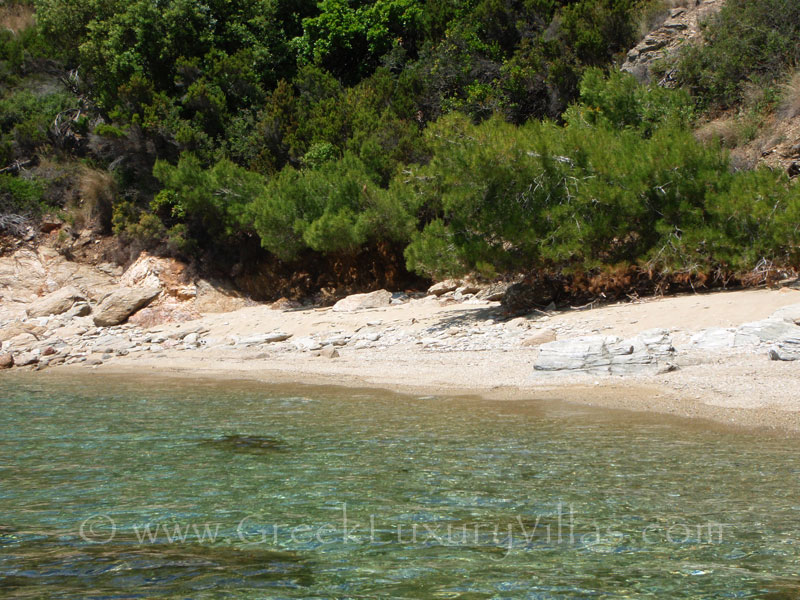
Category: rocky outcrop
[767,330]
[155,272]
[27,275]
[56,303]
[363,301]
[748,335]
[646,353]
[121,304]
[682,26]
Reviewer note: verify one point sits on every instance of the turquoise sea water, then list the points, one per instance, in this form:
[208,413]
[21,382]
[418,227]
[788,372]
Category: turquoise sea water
[115,488]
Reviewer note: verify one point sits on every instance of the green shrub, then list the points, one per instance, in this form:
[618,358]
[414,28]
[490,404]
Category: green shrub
[214,201]
[109,131]
[586,196]
[20,196]
[335,208]
[617,100]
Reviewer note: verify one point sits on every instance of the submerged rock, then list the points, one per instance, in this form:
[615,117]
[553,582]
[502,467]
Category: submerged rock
[247,444]
[608,355]
[113,560]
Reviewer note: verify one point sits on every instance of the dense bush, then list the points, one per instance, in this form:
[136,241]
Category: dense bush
[25,119]
[483,135]
[624,183]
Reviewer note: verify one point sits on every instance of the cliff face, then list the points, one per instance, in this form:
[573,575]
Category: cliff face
[775,138]
[682,26]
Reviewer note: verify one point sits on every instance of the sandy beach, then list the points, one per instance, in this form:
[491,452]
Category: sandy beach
[416,350]
[711,358]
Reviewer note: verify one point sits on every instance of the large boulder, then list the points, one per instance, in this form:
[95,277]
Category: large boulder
[442,287]
[56,303]
[533,292]
[363,301]
[607,355]
[25,359]
[494,292]
[122,303]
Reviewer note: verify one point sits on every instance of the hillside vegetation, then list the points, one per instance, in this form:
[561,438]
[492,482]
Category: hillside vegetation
[398,137]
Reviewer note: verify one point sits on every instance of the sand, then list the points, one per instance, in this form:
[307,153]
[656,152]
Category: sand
[737,388]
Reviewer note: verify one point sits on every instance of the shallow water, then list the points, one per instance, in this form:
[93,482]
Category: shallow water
[113,488]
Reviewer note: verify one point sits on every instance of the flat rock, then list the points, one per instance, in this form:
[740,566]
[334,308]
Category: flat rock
[110,344]
[56,303]
[767,330]
[264,338]
[23,340]
[363,301]
[12,330]
[714,338]
[789,313]
[787,349]
[468,288]
[122,303]
[607,355]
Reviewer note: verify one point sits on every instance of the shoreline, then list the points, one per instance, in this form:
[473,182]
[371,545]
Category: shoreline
[697,356]
[642,395]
